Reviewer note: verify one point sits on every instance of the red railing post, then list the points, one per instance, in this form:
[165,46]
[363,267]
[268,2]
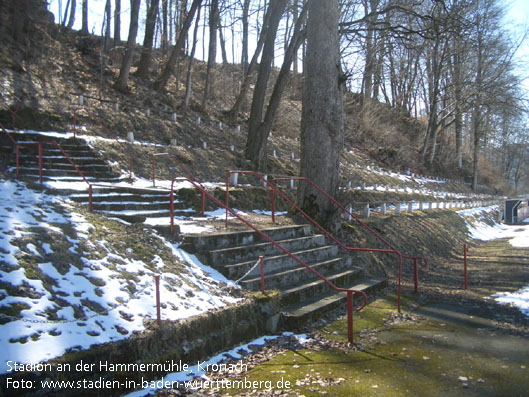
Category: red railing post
[171,207]
[40,162]
[465,265]
[17,154]
[152,167]
[350,335]
[261,265]
[415,276]
[227,197]
[158,314]
[90,200]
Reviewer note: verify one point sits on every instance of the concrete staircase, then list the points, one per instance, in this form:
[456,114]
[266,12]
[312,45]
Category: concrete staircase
[134,204]
[304,296]
[55,166]
[124,202]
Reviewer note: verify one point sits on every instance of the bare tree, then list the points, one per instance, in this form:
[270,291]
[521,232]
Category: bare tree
[84,25]
[212,52]
[168,69]
[235,109]
[117,22]
[258,137]
[277,8]
[146,51]
[322,120]
[189,88]
[121,83]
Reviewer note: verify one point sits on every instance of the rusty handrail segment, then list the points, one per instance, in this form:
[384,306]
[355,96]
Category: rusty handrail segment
[415,259]
[40,144]
[364,225]
[282,249]
[106,130]
[274,188]
[178,163]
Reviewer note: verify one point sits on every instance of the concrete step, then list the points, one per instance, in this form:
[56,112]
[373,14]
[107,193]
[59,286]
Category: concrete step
[72,178]
[297,275]
[131,206]
[113,196]
[250,252]
[53,172]
[208,242]
[280,263]
[294,316]
[304,292]
[86,158]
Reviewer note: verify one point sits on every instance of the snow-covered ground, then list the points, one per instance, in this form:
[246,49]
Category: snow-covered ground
[482,225]
[111,311]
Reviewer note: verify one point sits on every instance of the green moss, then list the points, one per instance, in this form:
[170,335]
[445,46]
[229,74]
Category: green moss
[403,359]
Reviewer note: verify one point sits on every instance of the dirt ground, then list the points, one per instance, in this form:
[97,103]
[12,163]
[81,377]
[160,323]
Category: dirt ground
[445,341]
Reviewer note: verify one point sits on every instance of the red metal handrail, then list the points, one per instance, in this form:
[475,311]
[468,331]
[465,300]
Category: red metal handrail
[350,292]
[273,189]
[17,146]
[106,130]
[178,163]
[15,143]
[415,259]
[14,113]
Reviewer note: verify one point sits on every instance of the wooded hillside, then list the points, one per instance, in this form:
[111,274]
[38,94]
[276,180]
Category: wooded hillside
[431,86]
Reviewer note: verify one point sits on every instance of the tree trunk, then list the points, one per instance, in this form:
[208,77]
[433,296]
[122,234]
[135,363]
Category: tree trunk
[222,44]
[161,82]
[121,83]
[84,26]
[117,22]
[256,114]
[235,109]
[258,139]
[322,118]
[146,51]
[185,102]
[66,8]
[244,54]
[71,20]
[212,52]
[164,26]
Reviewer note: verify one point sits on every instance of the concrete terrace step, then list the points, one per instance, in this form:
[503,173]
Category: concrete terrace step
[208,242]
[274,264]
[306,291]
[72,178]
[114,197]
[298,274]
[247,252]
[61,161]
[64,172]
[294,316]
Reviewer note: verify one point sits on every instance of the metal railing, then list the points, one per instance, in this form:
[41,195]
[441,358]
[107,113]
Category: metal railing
[273,189]
[415,259]
[40,145]
[178,163]
[107,131]
[349,292]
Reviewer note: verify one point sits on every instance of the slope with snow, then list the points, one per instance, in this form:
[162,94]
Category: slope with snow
[65,287]
[482,225]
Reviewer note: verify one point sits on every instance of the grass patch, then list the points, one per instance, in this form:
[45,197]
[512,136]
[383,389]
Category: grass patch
[425,357]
